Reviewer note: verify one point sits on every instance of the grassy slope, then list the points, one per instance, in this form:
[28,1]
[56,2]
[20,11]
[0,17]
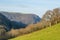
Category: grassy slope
[50,33]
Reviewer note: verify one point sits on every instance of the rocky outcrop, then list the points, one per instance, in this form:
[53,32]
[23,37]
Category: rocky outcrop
[51,17]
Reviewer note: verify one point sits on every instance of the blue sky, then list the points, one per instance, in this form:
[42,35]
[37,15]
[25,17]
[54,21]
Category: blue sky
[38,7]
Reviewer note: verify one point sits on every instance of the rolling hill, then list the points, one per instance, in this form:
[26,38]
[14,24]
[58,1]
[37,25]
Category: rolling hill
[49,33]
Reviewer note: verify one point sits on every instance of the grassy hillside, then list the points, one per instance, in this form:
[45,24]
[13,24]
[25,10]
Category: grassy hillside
[50,33]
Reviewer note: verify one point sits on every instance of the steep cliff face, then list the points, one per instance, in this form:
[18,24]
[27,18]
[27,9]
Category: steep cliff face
[19,20]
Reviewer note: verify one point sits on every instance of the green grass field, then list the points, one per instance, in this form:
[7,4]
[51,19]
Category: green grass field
[49,33]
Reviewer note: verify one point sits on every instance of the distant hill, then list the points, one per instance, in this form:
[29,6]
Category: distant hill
[49,33]
[18,20]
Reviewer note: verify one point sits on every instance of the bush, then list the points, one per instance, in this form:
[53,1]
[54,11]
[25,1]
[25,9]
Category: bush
[2,32]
